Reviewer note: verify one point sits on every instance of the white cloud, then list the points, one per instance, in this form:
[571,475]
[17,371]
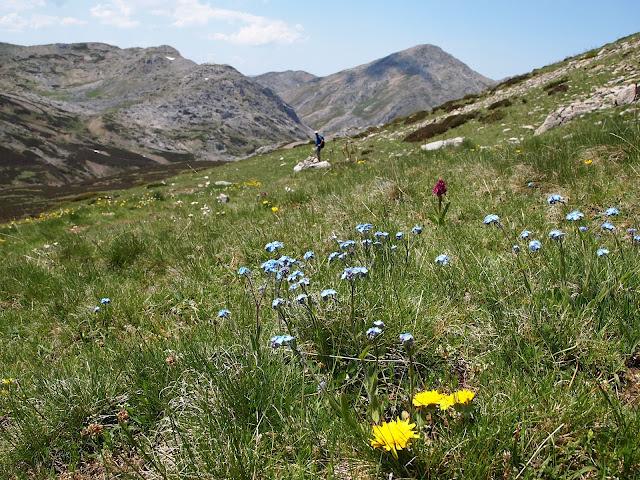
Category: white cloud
[19,5]
[262,33]
[116,13]
[191,12]
[14,22]
[71,21]
[254,29]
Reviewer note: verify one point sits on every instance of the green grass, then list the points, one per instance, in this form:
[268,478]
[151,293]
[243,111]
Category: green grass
[156,385]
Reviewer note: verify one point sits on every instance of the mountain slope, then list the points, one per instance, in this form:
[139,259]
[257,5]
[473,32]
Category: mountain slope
[129,108]
[399,84]
[283,82]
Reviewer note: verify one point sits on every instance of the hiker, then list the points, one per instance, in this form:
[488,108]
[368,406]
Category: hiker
[319,145]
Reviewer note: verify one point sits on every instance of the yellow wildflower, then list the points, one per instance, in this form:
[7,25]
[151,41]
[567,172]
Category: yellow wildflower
[393,436]
[275,209]
[446,402]
[361,162]
[7,381]
[464,396]
[588,161]
[266,202]
[427,398]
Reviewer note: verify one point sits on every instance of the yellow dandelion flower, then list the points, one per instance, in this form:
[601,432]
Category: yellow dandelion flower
[265,202]
[427,398]
[464,396]
[361,162]
[275,209]
[7,381]
[446,402]
[588,161]
[393,436]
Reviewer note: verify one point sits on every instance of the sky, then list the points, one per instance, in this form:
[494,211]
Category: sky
[497,38]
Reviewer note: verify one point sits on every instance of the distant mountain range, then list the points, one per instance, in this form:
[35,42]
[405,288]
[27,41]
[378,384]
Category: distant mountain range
[72,113]
[397,85]
[69,113]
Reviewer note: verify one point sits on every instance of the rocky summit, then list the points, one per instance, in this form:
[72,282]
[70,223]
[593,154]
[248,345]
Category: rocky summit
[76,112]
[378,92]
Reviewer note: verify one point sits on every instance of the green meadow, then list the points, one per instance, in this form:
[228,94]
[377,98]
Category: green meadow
[158,383]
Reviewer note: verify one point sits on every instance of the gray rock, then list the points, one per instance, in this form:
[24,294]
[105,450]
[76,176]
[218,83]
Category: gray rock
[222,183]
[602,99]
[627,95]
[451,142]
[311,162]
[223,198]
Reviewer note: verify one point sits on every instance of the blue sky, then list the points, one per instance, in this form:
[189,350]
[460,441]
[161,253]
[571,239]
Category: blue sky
[497,38]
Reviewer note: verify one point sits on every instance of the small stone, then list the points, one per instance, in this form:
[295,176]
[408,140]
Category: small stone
[223,198]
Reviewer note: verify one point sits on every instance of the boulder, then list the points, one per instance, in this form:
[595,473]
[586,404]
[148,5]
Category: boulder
[451,142]
[627,95]
[602,99]
[311,162]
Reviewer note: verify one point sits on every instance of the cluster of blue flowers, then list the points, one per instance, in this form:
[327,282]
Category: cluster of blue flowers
[289,271]
[273,246]
[278,341]
[407,339]
[492,219]
[286,270]
[575,216]
[555,198]
[375,331]
[556,235]
[103,302]
[353,273]
[328,293]
[347,248]
[442,259]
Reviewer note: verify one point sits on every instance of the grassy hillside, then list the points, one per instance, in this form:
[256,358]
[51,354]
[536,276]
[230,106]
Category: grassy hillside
[159,384]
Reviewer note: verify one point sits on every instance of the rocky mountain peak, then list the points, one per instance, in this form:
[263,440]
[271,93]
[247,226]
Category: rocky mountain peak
[396,85]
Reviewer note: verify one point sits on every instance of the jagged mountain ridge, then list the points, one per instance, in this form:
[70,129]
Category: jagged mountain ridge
[399,84]
[129,108]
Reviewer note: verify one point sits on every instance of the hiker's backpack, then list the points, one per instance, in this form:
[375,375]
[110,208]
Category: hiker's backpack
[321,142]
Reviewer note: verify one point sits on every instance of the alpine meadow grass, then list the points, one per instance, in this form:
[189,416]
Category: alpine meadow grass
[461,313]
